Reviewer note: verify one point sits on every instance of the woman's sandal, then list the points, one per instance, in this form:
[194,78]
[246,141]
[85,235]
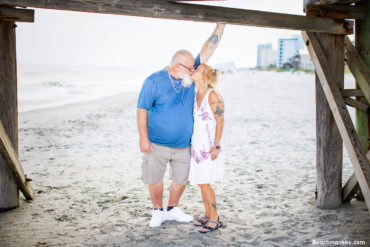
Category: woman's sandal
[206,228]
[202,221]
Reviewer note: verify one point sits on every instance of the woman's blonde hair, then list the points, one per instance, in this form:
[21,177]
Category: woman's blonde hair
[210,75]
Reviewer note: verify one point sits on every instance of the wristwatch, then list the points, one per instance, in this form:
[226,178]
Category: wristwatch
[218,147]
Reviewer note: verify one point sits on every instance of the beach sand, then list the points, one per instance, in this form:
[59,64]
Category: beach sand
[85,164]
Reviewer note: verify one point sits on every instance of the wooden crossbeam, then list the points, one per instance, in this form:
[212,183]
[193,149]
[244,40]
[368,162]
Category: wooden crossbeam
[358,68]
[11,159]
[339,1]
[16,14]
[357,104]
[336,11]
[352,93]
[193,12]
[351,186]
[341,115]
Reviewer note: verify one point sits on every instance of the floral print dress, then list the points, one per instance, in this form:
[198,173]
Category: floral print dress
[203,170]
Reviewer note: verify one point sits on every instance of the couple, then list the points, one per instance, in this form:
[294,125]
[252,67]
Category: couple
[171,114]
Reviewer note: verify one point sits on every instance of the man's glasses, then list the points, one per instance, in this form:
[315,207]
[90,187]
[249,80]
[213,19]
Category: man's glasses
[190,69]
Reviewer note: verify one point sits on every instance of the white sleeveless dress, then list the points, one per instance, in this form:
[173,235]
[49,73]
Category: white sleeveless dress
[203,170]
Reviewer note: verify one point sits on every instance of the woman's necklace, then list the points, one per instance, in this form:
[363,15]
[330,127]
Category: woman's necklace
[200,97]
[173,84]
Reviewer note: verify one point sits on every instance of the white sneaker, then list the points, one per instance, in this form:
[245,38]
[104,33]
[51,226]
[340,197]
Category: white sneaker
[158,217]
[176,214]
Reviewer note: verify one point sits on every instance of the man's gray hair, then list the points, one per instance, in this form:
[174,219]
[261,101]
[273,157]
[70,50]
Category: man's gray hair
[178,55]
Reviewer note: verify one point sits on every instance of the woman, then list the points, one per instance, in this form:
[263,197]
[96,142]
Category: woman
[206,164]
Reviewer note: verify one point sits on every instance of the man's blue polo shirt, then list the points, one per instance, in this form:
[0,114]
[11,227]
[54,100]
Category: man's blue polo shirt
[170,114]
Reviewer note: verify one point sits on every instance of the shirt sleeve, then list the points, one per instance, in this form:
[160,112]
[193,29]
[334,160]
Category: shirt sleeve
[197,61]
[146,96]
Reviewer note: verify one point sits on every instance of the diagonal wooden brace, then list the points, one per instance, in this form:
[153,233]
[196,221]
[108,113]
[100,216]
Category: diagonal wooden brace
[351,186]
[341,115]
[11,159]
[358,68]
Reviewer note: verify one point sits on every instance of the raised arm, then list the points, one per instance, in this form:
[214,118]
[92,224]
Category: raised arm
[211,44]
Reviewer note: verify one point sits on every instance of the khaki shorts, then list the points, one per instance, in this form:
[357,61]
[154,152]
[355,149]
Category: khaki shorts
[154,164]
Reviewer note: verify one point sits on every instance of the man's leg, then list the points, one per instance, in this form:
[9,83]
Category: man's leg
[156,193]
[176,191]
[180,164]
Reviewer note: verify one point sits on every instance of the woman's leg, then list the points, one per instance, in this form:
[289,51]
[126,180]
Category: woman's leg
[204,198]
[209,200]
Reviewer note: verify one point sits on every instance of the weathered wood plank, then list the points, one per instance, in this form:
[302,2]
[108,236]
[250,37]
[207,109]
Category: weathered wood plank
[358,68]
[341,115]
[193,12]
[16,14]
[11,158]
[351,186]
[9,192]
[338,1]
[329,145]
[357,104]
[352,93]
[336,11]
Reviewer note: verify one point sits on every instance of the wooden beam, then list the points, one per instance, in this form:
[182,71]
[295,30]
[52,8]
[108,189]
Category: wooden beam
[193,12]
[358,68]
[336,11]
[9,192]
[357,104]
[351,186]
[352,93]
[11,158]
[16,14]
[338,1]
[329,144]
[341,115]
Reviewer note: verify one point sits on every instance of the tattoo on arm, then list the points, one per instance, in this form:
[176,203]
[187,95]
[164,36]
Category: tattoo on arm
[214,39]
[218,111]
[216,102]
[214,205]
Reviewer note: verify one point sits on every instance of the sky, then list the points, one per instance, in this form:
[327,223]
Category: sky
[88,39]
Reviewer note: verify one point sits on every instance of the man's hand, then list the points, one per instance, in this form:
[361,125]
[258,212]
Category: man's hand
[142,125]
[145,145]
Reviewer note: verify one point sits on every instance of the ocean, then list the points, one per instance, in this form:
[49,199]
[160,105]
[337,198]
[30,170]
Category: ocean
[44,86]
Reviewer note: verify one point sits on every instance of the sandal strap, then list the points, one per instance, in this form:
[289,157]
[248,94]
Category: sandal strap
[217,222]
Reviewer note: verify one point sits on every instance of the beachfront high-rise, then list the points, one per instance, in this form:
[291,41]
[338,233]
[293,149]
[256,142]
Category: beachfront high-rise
[260,49]
[287,49]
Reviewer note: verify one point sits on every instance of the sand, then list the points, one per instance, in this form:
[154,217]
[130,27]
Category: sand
[85,164]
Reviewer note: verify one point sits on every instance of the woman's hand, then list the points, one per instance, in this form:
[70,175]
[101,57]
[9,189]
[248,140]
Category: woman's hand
[214,153]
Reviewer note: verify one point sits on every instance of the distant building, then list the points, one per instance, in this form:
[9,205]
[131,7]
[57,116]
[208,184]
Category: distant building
[261,48]
[301,45]
[287,49]
[268,58]
[226,67]
[305,61]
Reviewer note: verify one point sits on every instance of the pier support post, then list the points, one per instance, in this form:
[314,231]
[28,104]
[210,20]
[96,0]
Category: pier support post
[9,192]
[362,40]
[329,145]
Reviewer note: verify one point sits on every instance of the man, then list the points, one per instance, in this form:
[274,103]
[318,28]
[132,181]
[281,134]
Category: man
[165,124]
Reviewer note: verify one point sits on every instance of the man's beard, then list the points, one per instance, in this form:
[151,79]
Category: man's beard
[187,81]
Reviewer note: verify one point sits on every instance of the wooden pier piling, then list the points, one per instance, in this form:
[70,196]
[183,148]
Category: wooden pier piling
[329,144]
[9,192]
